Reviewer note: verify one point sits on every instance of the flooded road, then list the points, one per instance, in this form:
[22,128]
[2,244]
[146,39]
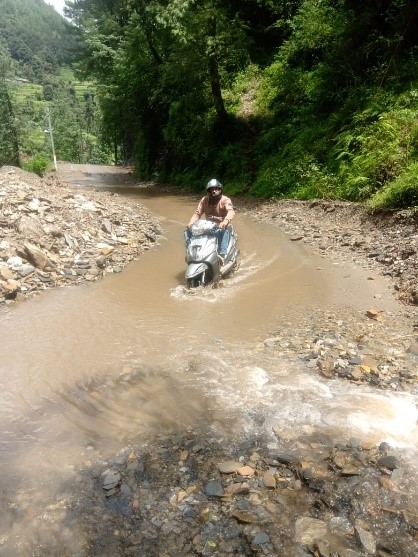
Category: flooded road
[91,368]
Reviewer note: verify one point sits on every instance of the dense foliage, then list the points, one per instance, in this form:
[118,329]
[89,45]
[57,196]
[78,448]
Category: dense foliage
[34,36]
[9,152]
[168,70]
[301,98]
[298,98]
[340,103]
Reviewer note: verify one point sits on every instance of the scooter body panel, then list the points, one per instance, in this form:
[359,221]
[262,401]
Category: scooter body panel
[203,263]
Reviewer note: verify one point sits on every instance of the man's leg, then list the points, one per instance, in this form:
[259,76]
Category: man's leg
[224,241]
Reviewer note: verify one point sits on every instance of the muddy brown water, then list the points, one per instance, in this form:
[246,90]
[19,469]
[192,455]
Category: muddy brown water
[92,368]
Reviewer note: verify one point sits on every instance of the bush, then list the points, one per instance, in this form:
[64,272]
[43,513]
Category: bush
[376,149]
[402,192]
[37,164]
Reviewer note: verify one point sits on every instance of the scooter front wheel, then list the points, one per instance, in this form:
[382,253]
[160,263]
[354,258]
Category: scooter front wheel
[203,279]
[236,266]
[191,283]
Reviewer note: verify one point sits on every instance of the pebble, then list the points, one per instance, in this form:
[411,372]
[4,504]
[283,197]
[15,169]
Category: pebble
[214,489]
[228,467]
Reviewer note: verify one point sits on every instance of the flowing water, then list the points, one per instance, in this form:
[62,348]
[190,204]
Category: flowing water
[99,365]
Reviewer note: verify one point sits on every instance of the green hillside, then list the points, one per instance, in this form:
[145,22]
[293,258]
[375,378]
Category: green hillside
[35,37]
[37,50]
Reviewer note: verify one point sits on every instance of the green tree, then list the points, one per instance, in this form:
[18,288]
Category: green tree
[9,151]
[158,61]
[287,97]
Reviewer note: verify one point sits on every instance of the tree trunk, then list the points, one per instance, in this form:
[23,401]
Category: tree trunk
[148,35]
[215,80]
[115,148]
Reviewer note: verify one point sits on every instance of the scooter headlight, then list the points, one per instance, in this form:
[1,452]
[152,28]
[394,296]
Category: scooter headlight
[198,230]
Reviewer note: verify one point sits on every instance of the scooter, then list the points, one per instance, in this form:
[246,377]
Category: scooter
[204,265]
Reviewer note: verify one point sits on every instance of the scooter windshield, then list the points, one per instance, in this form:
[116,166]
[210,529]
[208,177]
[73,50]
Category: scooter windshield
[202,227]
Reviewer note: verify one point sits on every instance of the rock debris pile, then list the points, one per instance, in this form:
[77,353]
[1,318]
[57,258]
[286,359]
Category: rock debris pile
[53,235]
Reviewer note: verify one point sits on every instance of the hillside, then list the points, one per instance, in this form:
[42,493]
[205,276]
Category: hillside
[37,78]
[298,99]
[35,37]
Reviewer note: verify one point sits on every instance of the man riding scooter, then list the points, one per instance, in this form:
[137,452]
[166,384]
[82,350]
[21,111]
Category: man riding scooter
[218,209]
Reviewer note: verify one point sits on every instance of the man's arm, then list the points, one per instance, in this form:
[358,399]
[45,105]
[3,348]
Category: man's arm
[229,215]
[198,213]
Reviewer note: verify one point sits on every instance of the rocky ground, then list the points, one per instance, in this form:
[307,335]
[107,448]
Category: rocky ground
[197,494]
[53,235]
[364,347]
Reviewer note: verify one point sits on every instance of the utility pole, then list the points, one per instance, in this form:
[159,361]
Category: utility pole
[50,130]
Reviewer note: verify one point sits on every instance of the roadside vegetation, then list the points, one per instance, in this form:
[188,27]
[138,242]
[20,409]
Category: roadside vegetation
[74,115]
[300,98]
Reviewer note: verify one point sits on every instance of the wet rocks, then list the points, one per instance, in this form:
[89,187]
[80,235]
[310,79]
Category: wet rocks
[214,489]
[366,538]
[53,234]
[111,482]
[353,346]
[314,506]
[310,530]
[229,467]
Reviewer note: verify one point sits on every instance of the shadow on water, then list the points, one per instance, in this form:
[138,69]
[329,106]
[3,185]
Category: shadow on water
[52,500]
